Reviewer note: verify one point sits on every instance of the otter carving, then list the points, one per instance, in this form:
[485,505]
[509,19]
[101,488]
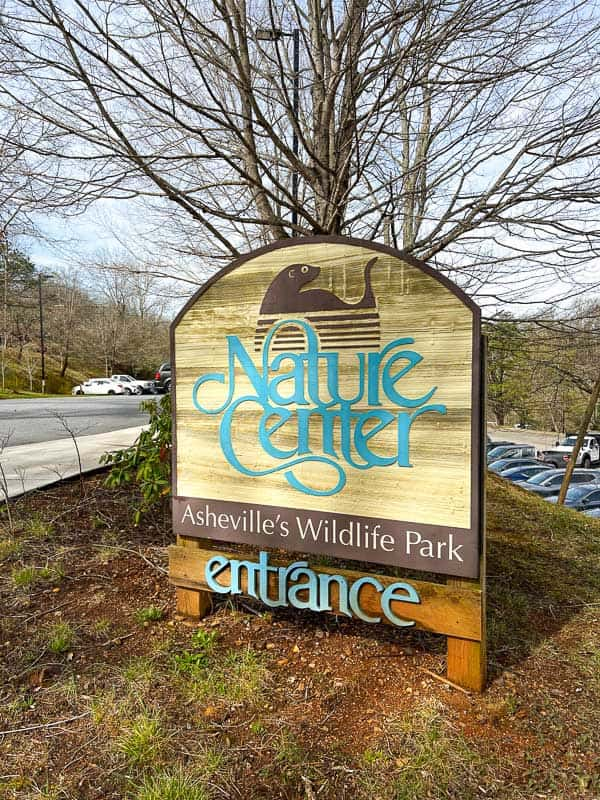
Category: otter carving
[286,295]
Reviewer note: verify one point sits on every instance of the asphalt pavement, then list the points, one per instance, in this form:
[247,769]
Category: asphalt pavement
[46,420]
[543,440]
[36,437]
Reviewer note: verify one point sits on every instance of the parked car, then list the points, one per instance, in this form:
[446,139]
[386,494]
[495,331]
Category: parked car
[592,512]
[98,386]
[505,463]
[491,445]
[524,472]
[588,456]
[582,498]
[134,385]
[511,451]
[162,379]
[548,483]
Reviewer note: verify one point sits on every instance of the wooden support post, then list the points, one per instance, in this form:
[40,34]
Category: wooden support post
[467,660]
[466,664]
[192,603]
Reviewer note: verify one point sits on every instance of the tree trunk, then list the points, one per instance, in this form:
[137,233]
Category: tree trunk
[64,364]
[578,444]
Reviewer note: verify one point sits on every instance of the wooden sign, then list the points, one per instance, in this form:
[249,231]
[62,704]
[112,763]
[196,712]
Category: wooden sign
[327,400]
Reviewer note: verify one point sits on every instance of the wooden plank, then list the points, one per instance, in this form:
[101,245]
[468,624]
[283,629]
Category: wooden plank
[466,663]
[443,609]
[190,601]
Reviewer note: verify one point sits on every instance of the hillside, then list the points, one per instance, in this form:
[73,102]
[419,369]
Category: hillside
[17,380]
[107,694]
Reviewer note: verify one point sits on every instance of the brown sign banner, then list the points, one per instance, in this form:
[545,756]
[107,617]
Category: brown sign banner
[376,540]
[327,399]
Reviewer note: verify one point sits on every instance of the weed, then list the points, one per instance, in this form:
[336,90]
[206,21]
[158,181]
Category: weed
[24,702]
[102,627]
[60,638]
[9,548]
[257,727]
[38,527]
[194,660]
[103,708]
[238,677]
[140,670]
[242,677]
[48,792]
[170,785]
[373,756]
[143,741]
[27,577]
[149,614]
[290,758]
[67,690]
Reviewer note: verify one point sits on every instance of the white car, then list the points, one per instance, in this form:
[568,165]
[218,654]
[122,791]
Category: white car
[134,385]
[99,386]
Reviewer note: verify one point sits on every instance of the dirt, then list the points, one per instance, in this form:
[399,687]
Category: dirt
[288,704]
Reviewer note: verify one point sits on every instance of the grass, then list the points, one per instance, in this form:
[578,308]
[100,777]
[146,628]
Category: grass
[546,562]
[143,740]
[60,638]
[145,616]
[37,527]
[28,577]
[290,758]
[237,677]
[174,711]
[194,660]
[423,757]
[140,670]
[22,394]
[172,784]
[9,549]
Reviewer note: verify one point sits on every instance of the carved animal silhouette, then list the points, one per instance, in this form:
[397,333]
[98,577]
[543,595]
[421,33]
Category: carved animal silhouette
[286,293]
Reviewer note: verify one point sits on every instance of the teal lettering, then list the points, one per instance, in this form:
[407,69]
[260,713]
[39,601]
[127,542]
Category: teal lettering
[280,402]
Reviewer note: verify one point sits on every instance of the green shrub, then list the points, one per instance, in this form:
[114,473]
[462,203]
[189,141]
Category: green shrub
[147,463]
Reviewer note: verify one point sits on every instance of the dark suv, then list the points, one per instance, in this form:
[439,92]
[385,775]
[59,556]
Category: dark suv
[163,378]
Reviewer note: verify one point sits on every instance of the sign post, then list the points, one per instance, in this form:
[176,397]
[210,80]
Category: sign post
[328,401]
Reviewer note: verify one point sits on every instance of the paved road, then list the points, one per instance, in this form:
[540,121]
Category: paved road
[540,439]
[33,421]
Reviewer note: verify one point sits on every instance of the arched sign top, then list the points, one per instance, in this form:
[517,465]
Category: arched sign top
[327,399]
[333,240]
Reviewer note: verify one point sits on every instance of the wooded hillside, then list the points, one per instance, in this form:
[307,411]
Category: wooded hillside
[93,324]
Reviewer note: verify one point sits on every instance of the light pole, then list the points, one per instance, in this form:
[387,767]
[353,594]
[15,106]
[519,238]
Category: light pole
[273,35]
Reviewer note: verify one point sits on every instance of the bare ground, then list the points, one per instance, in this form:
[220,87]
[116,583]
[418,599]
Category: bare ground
[107,694]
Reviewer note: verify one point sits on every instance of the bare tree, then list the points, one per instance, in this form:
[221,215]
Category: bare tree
[469,128]
[30,363]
